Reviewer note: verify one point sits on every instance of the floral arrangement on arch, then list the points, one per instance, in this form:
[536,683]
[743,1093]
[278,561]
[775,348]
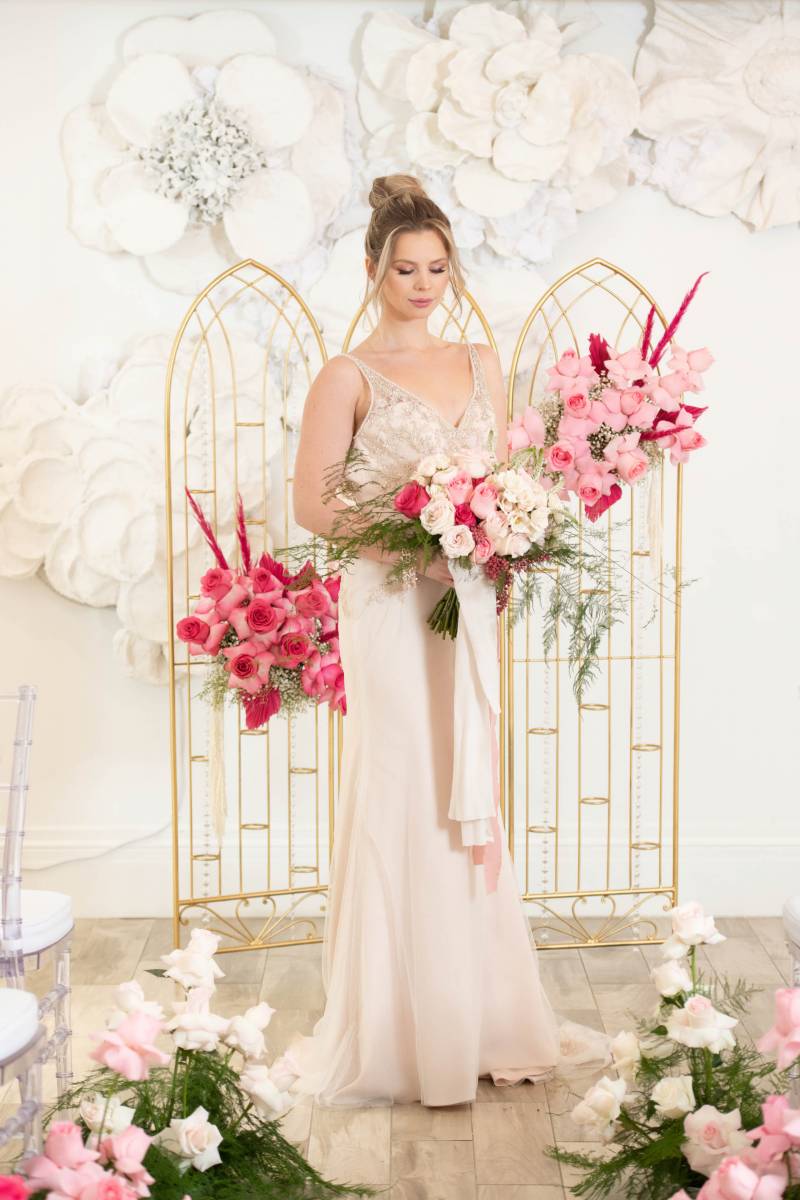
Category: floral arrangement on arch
[273,637]
[196,1120]
[691,1111]
[607,417]
[207,149]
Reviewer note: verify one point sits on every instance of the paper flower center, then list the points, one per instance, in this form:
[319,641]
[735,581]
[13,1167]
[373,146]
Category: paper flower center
[772,77]
[200,156]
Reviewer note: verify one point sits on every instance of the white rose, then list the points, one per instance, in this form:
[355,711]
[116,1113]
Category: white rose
[673,1095]
[118,1116]
[444,475]
[671,977]
[517,544]
[245,1033]
[433,462]
[496,526]
[438,515]
[457,541]
[711,1136]
[129,997]
[601,1105]
[519,490]
[699,1025]
[690,927]
[626,1052]
[262,1089]
[474,461]
[284,1071]
[533,524]
[194,1139]
[194,966]
[194,1026]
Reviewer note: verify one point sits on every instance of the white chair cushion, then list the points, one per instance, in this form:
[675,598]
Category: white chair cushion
[791,920]
[46,917]
[19,1021]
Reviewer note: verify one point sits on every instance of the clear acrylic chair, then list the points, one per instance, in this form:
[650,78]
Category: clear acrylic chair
[33,923]
[23,1049]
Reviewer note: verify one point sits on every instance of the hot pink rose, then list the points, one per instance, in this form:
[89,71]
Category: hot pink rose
[560,456]
[216,582]
[459,488]
[130,1049]
[313,601]
[464,515]
[785,1033]
[483,500]
[193,629]
[64,1145]
[265,583]
[411,499]
[261,617]
[13,1187]
[292,649]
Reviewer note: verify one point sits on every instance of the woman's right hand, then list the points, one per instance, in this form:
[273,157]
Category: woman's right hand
[437,569]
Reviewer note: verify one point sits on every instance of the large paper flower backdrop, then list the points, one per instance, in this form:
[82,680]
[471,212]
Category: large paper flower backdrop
[720,89]
[518,134]
[207,149]
[82,498]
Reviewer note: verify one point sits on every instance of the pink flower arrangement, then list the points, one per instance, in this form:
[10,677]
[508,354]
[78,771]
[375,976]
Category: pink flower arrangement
[261,622]
[607,416]
[130,1049]
[68,1170]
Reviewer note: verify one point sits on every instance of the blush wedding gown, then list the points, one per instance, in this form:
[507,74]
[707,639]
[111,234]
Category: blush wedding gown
[429,966]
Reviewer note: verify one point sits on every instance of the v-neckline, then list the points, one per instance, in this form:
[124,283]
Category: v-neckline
[422,399]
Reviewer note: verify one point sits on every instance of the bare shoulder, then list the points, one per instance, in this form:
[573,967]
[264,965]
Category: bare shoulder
[489,357]
[339,374]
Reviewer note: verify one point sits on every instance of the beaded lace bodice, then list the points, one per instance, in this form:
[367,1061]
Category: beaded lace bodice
[400,427]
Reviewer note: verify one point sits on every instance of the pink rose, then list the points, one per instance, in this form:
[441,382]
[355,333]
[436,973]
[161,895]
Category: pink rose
[577,404]
[590,487]
[216,582]
[265,583]
[484,546]
[571,373]
[64,1145]
[785,1033]
[623,453]
[312,601]
[780,1131]
[526,430]
[332,585]
[293,649]
[411,499]
[233,598]
[560,456]
[733,1179]
[110,1187]
[464,515]
[193,629]
[261,617]
[13,1187]
[483,500]
[459,488]
[126,1151]
[130,1049]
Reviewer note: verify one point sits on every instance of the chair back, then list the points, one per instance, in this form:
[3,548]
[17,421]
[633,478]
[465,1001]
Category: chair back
[16,715]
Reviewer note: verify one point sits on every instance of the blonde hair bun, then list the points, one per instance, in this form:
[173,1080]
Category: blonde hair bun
[386,187]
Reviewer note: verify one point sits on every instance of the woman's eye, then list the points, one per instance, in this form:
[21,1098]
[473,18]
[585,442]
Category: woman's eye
[434,271]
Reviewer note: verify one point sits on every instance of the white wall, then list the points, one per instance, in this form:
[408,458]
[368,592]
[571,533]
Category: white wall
[100,768]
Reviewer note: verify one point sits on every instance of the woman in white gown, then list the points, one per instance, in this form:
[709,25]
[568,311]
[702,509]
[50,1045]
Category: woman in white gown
[429,968]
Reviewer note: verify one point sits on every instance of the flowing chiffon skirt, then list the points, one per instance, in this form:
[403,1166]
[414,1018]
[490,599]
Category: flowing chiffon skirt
[430,981]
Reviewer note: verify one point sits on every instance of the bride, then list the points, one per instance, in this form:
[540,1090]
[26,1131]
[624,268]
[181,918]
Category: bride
[429,967]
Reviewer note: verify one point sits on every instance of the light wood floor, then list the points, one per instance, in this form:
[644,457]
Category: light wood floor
[488,1150]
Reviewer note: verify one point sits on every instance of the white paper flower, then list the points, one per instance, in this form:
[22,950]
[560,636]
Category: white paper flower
[673,1095]
[269,1100]
[699,1025]
[194,1139]
[208,149]
[194,966]
[246,1032]
[493,106]
[721,101]
[601,1105]
[690,927]
[711,1136]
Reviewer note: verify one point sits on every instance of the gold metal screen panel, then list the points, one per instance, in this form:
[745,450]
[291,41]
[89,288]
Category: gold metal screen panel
[591,798]
[241,365]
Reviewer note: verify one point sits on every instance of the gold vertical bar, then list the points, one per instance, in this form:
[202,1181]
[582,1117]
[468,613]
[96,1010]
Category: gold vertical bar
[677,695]
[608,714]
[631,684]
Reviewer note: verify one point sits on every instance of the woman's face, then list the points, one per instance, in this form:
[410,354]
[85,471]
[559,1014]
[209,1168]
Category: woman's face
[418,271]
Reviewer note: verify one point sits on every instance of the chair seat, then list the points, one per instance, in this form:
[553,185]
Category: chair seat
[791,920]
[19,1021]
[46,918]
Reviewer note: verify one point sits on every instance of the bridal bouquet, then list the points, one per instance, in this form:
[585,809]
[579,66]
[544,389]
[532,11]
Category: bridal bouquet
[691,1112]
[194,1120]
[272,635]
[607,417]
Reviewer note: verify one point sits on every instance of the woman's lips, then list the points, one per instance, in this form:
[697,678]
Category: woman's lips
[420,303]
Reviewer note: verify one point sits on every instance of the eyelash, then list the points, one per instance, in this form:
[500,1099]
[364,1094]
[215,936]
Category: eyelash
[434,271]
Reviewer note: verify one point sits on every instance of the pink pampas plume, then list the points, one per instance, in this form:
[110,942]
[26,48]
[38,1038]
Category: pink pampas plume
[207,531]
[675,322]
[648,330]
[241,533]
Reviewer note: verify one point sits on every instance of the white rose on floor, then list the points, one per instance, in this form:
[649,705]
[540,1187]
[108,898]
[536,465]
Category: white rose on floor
[194,1026]
[194,966]
[245,1033]
[671,977]
[690,927]
[711,1136]
[129,997]
[601,1105]
[627,1053]
[262,1089]
[194,1139]
[699,1025]
[457,541]
[118,1116]
[433,462]
[438,515]
[673,1095]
